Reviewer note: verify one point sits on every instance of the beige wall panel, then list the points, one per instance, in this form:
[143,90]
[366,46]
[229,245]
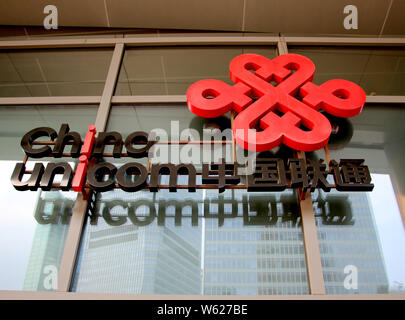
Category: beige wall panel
[179,14]
[395,20]
[313,16]
[70,13]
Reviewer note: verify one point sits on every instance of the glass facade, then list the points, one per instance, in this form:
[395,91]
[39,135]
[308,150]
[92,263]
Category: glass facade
[378,70]
[173,122]
[171,70]
[53,72]
[35,224]
[256,248]
[370,220]
[193,243]
[349,238]
[203,242]
[142,243]
[128,248]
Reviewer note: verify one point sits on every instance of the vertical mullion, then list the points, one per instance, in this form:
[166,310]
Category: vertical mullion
[282,46]
[310,236]
[68,262]
[71,248]
[311,245]
[112,76]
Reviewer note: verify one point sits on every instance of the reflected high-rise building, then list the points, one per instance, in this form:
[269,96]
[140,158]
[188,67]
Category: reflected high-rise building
[246,244]
[348,236]
[52,213]
[121,253]
[261,251]
[258,249]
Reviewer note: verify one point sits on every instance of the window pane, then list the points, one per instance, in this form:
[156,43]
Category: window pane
[174,122]
[129,118]
[247,244]
[379,71]
[33,225]
[124,250]
[365,229]
[15,121]
[53,72]
[257,249]
[171,70]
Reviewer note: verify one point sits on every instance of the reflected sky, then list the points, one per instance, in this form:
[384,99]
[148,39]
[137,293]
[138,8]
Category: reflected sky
[17,228]
[389,226]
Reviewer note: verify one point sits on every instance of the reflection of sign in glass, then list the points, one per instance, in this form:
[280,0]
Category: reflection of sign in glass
[256,210]
[334,209]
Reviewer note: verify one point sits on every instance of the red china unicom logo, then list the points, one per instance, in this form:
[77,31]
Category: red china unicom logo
[281,110]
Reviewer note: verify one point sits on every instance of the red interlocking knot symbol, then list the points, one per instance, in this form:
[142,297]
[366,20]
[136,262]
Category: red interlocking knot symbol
[280,111]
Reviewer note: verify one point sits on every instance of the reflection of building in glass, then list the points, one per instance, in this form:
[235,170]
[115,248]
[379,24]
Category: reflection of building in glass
[126,251]
[52,213]
[258,252]
[247,244]
[348,236]
[247,248]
